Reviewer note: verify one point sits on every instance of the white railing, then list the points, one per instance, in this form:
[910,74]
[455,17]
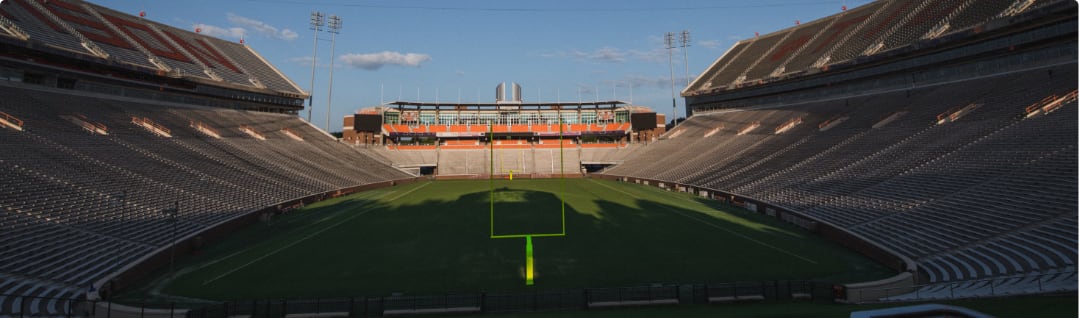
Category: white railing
[798,52]
[228,57]
[1023,284]
[1017,7]
[763,56]
[946,23]
[12,29]
[873,49]
[86,43]
[827,56]
[153,59]
[209,72]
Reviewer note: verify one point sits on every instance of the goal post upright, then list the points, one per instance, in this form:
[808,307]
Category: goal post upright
[561,194]
[491,173]
[529,271]
[562,171]
[529,259]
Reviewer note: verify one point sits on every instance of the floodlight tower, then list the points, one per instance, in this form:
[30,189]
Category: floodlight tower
[685,45]
[668,39]
[317,20]
[334,24]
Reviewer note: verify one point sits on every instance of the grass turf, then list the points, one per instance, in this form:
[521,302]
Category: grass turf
[433,237]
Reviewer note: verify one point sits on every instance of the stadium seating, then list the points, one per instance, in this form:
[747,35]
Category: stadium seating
[990,193]
[467,157]
[37,27]
[971,15]
[789,48]
[974,180]
[144,44]
[826,40]
[464,162]
[706,81]
[463,144]
[78,205]
[873,28]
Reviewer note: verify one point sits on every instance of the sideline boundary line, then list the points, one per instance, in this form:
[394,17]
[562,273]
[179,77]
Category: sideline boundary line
[719,227]
[378,195]
[305,238]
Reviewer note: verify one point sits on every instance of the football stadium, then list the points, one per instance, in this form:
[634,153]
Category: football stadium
[900,158]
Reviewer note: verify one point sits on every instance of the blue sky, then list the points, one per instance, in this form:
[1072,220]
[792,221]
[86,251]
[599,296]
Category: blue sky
[453,50]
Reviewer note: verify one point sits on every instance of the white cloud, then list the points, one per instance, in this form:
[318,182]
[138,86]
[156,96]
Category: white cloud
[289,35]
[711,44]
[303,60]
[604,54]
[587,91]
[610,55]
[262,28]
[654,55]
[644,81]
[306,61]
[639,81]
[221,32]
[240,27]
[375,61]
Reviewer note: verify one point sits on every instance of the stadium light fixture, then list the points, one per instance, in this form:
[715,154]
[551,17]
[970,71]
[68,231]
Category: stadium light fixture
[334,24]
[685,45]
[668,40]
[317,21]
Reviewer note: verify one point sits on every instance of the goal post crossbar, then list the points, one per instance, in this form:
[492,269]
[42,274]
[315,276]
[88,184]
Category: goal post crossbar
[562,185]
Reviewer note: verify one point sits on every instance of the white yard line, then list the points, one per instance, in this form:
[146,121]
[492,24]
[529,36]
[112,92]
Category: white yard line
[718,227]
[409,191]
[305,238]
[211,263]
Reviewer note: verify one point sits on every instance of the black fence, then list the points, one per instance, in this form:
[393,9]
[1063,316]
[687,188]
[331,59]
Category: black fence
[527,301]
[447,303]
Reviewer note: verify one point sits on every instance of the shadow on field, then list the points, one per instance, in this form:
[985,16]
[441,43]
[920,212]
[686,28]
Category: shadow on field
[518,212]
[370,246]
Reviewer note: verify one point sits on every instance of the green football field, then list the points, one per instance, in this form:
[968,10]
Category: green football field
[432,237]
